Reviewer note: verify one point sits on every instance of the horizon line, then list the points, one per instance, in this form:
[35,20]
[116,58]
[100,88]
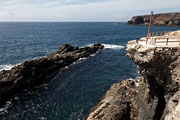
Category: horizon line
[66,21]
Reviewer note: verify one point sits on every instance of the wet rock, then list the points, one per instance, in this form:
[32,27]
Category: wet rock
[31,73]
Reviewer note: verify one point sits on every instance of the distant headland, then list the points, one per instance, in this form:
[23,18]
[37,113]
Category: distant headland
[163,19]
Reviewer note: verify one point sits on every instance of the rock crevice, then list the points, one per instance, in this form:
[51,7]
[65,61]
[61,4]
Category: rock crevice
[152,99]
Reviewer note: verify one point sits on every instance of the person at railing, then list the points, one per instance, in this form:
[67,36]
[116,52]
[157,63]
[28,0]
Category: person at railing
[151,41]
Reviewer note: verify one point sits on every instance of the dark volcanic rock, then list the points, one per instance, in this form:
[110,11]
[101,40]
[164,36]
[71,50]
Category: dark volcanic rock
[31,73]
[138,20]
[166,19]
[157,96]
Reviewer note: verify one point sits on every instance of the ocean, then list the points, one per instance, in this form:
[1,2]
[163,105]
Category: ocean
[72,92]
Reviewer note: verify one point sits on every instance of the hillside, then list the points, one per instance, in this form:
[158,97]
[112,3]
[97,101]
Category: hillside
[165,19]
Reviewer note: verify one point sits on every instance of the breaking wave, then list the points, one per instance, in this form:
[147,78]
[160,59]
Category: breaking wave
[112,46]
[6,67]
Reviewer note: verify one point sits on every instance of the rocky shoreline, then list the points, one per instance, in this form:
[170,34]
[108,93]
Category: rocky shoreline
[165,19]
[115,105]
[155,96]
[32,73]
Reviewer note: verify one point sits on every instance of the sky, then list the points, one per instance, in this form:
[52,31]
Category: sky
[82,10]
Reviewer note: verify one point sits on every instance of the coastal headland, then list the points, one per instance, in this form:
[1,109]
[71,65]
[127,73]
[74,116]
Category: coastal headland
[32,73]
[154,96]
[164,19]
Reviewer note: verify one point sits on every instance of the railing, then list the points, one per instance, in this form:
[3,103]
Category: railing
[157,34]
[165,40]
[162,37]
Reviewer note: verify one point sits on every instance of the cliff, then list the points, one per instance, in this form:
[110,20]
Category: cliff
[166,19]
[155,96]
[31,73]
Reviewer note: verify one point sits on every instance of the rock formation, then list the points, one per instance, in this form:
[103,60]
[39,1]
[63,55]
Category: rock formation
[116,103]
[166,19]
[155,96]
[31,73]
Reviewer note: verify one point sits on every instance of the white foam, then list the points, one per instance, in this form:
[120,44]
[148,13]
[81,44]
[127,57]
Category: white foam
[92,55]
[83,58]
[112,46]
[9,66]
[6,67]
[5,107]
[76,62]
[136,84]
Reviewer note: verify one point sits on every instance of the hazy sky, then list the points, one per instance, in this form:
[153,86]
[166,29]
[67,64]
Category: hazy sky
[82,10]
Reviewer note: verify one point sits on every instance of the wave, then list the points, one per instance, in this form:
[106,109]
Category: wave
[81,60]
[6,67]
[9,66]
[112,46]
[107,46]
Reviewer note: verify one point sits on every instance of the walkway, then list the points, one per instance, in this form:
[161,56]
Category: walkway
[170,39]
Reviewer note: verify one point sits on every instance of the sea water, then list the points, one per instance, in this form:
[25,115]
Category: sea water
[70,93]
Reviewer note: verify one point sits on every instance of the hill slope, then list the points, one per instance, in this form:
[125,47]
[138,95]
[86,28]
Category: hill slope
[165,19]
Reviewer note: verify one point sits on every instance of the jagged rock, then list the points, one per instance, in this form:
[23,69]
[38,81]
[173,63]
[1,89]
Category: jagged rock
[172,111]
[165,19]
[156,97]
[116,104]
[159,67]
[31,73]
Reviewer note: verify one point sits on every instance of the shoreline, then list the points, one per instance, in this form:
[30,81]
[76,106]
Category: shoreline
[162,19]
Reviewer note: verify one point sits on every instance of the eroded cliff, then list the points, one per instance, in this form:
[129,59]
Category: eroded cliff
[154,97]
[166,19]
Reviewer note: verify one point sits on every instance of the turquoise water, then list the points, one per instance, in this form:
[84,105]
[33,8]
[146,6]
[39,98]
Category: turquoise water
[70,93]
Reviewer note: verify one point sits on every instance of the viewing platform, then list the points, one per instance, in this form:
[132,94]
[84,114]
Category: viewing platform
[162,39]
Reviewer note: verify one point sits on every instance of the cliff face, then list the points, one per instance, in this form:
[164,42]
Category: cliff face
[116,104]
[157,95]
[31,73]
[166,19]
[160,70]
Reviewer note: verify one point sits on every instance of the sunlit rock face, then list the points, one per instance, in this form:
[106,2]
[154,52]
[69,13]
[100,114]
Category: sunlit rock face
[166,19]
[155,96]
[159,67]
